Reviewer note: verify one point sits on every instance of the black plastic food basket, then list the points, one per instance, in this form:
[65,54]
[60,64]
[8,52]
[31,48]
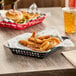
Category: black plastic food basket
[31,53]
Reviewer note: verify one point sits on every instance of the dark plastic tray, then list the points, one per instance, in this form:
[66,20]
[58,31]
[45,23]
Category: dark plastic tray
[30,53]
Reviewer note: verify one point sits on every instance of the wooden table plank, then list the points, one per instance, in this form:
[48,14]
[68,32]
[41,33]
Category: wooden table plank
[10,63]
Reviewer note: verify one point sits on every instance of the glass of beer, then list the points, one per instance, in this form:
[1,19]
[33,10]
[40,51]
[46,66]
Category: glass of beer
[69,20]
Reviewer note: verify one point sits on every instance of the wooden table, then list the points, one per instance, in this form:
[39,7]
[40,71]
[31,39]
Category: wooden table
[21,65]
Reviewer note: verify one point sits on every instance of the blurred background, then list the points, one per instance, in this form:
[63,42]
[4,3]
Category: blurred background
[41,3]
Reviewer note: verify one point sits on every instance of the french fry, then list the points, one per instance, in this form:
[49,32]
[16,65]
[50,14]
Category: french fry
[54,43]
[55,39]
[23,42]
[34,35]
[36,46]
[43,37]
[35,40]
[52,39]
[38,41]
[31,39]
[50,46]
[30,43]
[44,45]
[48,39]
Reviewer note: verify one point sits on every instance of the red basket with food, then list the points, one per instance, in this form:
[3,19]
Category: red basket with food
[21,19]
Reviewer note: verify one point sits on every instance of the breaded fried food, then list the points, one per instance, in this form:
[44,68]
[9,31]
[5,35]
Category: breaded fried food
[23,42]
[34,34]
[44,45]
[41,43]
[31,39]
[29,15]
[34,15]
[26,15]
[44,37]
[55,39]
[50,46]
[38,41]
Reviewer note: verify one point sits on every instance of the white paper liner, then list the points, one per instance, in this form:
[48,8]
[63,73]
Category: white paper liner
[13,43]
[34,9]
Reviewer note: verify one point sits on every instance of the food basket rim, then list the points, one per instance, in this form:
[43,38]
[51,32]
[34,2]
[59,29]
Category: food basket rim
[29,48]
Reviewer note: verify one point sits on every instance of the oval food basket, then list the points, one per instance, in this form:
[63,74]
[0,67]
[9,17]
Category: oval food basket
[18,49]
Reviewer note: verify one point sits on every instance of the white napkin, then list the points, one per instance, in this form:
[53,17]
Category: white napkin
[67,43]
[71,56]
[34,9]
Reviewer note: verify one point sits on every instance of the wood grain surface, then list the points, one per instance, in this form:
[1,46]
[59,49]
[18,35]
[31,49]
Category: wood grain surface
[12,64]
[40,3]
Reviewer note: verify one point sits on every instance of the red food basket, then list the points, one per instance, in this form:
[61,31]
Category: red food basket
[21,26]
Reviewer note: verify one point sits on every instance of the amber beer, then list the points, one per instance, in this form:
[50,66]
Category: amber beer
[69,20]
[1,4]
